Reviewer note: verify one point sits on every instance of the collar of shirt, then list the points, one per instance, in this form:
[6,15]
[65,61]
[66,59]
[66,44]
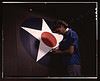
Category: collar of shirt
[68,31]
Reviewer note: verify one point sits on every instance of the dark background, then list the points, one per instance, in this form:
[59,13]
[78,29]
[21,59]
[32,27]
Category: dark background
[80,17]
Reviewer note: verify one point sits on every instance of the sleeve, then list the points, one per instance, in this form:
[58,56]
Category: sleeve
[73,39]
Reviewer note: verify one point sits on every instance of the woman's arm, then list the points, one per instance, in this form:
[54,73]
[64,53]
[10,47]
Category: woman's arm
[70,51]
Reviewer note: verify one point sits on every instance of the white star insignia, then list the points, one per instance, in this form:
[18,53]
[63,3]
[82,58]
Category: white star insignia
[48,39]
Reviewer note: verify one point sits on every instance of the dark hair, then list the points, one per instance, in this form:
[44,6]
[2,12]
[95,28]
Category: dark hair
[58,24]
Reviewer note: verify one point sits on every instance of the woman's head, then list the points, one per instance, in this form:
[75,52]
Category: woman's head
[59,27]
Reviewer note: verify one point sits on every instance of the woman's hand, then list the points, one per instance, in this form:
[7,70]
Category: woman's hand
[56,51]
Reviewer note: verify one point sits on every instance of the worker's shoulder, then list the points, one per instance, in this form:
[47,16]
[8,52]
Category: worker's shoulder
[73,34]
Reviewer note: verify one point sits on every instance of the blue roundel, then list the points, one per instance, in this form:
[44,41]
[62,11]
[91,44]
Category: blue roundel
[30,43]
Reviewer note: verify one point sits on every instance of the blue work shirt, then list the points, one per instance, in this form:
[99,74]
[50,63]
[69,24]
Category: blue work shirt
[70,39]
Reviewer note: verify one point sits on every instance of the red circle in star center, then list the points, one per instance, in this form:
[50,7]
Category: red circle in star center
[48,39]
